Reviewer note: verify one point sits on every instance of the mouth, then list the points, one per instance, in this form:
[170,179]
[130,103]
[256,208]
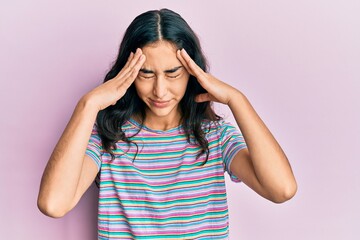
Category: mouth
[160,104]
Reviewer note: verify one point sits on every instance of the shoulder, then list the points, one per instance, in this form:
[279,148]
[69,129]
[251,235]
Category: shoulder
[218,126]
[220,129]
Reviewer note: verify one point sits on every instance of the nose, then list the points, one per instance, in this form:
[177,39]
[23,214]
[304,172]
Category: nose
[160,87]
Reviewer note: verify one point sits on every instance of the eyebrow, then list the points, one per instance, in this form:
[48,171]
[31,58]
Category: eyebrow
[144,70]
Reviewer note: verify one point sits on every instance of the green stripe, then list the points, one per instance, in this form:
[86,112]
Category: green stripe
[107,166]
[209,180]
[129,203]
[173,138]
[209,233]
[169,220]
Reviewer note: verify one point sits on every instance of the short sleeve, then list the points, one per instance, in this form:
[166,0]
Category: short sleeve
[232,142]
[94,147]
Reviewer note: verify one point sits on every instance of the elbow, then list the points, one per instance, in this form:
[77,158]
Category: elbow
[51,209]
[285,194]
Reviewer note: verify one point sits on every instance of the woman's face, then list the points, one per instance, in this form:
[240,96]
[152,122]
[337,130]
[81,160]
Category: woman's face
[162,80]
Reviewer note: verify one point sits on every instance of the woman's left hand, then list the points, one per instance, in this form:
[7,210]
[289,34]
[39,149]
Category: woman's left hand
[217,90]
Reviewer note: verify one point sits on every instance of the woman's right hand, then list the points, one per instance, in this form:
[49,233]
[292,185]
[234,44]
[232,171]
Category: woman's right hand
[112,90]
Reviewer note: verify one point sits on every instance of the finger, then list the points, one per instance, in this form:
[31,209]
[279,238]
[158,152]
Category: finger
[127,79]
[131,63]
[183,62]
[138,65]
[127,74]
[131,76]
[204,97]
[131,56]
[137,55]
[194,68]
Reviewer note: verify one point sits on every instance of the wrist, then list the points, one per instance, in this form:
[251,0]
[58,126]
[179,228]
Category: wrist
[236,98]
[87,104]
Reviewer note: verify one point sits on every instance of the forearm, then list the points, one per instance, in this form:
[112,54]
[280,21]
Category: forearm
[270,163]
[264,166]
[62,173]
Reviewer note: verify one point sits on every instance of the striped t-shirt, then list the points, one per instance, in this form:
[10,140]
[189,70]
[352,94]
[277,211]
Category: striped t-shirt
[165,192]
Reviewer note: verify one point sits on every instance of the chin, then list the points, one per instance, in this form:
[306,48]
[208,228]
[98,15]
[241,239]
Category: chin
[162,112]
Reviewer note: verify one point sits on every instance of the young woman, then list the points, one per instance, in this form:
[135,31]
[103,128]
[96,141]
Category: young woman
[160,151]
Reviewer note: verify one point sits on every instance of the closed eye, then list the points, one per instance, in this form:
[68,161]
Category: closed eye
[147,77]
[174,76]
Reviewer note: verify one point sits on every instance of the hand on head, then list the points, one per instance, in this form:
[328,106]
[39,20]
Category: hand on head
[217,90]
[112,90]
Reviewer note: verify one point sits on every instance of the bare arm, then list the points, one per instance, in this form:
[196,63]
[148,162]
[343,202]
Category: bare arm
[263,166]
[69,171]
[68,174]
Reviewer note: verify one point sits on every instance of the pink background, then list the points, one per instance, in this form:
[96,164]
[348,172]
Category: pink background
[297,61]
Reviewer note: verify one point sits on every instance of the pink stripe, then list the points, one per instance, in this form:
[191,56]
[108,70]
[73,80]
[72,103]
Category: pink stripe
[166,198]
[157,166]
[154,232]
[178,214]
[163,182]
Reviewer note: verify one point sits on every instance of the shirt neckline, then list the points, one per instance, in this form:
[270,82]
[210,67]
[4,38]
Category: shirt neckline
[170,130]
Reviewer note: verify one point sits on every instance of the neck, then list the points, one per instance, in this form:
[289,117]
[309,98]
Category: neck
[160,123]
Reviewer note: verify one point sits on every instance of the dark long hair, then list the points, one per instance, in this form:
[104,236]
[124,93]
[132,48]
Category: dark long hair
[147,28]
